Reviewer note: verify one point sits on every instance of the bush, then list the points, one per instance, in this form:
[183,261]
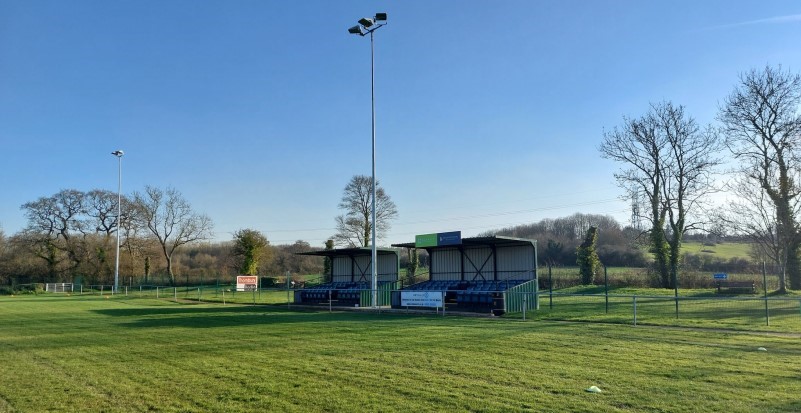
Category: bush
[691,279]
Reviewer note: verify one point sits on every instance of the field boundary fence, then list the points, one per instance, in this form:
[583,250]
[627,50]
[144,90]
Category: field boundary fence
[560,277]
[704,311]
[524,302]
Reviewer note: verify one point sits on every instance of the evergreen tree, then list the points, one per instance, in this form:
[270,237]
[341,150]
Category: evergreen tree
[587,257]
[414,262]
[328,269]
[249,246]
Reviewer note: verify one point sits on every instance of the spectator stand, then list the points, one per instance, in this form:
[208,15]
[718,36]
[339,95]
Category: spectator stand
[351,272]
[496,273]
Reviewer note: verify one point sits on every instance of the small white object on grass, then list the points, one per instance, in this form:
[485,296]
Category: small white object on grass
[762,349]
[594,389]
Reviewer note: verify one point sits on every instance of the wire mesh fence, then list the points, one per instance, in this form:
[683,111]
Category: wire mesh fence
[709,312]
[635,277]
[212,294]
[748,311]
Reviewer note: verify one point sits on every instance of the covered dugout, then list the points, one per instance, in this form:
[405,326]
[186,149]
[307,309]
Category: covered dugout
[350,281]
[494,273]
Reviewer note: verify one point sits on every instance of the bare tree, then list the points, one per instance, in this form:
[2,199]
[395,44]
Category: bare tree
[762,128]
[692,152]
[100,207]
[753,214]
[669,158]
[55,228]
[134,239]
[171,220]
[286,258]
[354,227]
[5,267]
[100,210]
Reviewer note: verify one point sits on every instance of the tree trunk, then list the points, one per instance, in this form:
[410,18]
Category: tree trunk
[147,268]
[788,235]
[367,230]
[660,250]
[675,254]
[51,261]
[793,266]
[169,271]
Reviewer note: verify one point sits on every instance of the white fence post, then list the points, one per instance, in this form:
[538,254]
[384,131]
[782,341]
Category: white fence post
[525,303]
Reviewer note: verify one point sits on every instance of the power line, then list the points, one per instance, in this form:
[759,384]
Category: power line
[465,217]
[479,228]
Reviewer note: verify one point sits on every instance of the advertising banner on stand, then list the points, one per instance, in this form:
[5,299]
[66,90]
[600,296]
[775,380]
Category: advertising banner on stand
[247,282]
[421,299]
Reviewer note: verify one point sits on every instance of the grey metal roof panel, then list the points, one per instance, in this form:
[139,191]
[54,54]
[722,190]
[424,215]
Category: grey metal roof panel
[496,240]
[349,252]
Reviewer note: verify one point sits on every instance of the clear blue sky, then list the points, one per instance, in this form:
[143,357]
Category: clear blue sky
[489,112]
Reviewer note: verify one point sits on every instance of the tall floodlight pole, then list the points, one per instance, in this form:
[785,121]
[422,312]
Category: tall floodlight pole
[118,154]
[365,26]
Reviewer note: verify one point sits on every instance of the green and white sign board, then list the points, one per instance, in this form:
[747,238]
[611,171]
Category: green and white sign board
[440,239]
[425,240]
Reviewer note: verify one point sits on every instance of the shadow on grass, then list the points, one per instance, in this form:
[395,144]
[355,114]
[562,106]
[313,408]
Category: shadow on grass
[181,309]
[209,317]
[193,316]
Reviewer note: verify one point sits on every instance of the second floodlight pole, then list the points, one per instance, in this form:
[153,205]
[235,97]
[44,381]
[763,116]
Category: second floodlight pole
[373,227]
[118,153]
[367,25]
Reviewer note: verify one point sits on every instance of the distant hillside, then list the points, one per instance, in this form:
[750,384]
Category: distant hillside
[558,238]
[721,250]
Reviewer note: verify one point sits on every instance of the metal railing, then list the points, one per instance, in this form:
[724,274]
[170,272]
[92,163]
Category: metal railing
[519,302]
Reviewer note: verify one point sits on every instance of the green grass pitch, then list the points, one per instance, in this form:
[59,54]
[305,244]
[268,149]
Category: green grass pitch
[94,354]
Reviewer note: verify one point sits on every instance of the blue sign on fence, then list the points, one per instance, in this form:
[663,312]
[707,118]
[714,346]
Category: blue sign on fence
[721,276]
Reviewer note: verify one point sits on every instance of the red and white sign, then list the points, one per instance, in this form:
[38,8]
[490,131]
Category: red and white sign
[247,282]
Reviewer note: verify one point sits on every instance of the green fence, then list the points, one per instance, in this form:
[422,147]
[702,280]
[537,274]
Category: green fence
[521,297]
[384,296]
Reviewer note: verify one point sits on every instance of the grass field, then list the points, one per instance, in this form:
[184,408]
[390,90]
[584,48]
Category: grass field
[723,250]
[114,354]
[698,307]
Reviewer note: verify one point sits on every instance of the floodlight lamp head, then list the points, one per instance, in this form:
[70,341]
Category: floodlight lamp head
[381,17]
[118,153]
[367,23]
[356,30]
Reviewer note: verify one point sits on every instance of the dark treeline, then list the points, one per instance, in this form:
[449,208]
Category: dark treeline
[71,236]
[205,263]
[619,246]
[558,238]
[82,251]
[211,261]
